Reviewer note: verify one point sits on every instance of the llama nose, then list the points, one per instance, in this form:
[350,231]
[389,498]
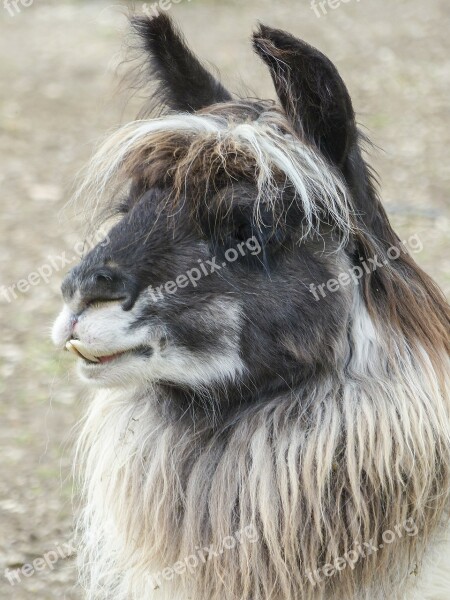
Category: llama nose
[85,286]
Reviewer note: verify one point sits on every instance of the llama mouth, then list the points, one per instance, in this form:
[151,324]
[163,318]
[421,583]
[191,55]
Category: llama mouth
[77,348]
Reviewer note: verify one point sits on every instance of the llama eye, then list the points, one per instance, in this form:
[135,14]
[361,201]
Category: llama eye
[243,232]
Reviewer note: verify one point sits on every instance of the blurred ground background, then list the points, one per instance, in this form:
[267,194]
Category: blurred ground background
[57,96]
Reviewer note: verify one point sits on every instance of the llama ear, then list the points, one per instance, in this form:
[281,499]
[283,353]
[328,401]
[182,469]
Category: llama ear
[310,90]
[183,83]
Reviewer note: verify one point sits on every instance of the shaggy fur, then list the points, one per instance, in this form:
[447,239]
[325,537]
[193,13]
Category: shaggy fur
[243,402]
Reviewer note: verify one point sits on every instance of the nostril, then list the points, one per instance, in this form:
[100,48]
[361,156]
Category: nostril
[106,284]
[90,285]
[103,277]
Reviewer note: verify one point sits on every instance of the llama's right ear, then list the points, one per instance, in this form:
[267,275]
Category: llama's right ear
[310,90]
[183,82]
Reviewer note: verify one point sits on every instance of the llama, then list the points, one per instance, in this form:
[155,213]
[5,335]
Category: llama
[270,418]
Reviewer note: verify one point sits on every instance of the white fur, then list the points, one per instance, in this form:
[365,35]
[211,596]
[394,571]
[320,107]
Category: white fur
[316,184]
[104,329]
[434,583]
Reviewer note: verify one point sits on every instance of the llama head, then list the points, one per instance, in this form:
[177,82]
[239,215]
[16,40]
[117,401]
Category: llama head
[232,213]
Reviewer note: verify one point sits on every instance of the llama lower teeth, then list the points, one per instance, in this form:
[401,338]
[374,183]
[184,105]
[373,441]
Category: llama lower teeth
[75,347]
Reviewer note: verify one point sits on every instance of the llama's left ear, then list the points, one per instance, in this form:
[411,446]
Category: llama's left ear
[183,82]
[310,90]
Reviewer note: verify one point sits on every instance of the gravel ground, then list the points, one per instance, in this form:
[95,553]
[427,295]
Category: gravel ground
[58,95]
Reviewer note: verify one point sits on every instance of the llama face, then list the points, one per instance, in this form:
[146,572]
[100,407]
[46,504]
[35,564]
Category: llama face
[195,302]
[205,282]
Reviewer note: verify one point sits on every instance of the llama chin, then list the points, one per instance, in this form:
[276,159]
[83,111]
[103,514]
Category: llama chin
[245,439]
